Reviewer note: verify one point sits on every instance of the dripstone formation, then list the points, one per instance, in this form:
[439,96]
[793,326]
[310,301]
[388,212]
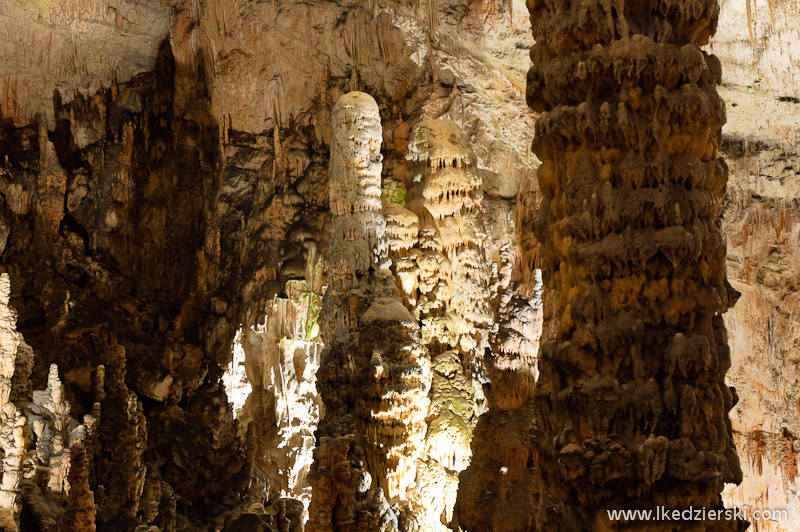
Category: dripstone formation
[453,253]
[449,296]
[171,219]
[44,467]
[631,403]
[374,376]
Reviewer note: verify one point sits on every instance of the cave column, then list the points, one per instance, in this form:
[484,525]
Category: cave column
[374,374]
[631,402]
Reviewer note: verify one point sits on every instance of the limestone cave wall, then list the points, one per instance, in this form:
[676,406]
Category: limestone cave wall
[176,349]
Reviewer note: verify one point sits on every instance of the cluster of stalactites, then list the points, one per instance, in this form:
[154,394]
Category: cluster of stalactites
[354,184]
[399,241]
[442,162]
[440,144]
[631,399]
[497,492]
[402,228]
[275,367]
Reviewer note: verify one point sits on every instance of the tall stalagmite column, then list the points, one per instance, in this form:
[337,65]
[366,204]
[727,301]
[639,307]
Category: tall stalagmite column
[13,423]
[632,407]
[374,374]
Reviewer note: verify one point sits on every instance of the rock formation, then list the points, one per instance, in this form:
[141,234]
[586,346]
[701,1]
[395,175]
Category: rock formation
[276,398]
[13,424]
[761,219]
[43,464]
[451,302]
[631,402]
[164,199]
[80,513]
[453,253]
[374,376]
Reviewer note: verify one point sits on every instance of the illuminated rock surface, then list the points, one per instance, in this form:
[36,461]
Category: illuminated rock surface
[165,225]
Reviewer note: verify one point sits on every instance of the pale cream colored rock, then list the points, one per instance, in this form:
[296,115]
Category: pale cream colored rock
[763,233]
[758,43]
[13,424]
[372,351]
[273,371]
[354,188]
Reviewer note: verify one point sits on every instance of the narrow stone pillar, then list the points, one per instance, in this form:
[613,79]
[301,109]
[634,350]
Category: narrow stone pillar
[374,374]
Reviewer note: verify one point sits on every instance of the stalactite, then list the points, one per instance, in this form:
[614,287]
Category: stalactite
[400,237]
[631,403]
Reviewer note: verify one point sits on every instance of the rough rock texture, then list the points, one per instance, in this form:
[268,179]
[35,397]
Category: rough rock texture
[631,402]
[73,48]
[177,182]
[757,43]
[374,375]
[281,408]
[163,177]
[43,464]
[761,221]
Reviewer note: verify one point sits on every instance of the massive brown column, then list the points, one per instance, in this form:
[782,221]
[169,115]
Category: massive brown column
[631,403]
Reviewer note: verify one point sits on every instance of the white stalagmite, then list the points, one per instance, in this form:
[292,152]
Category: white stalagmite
[53,445]
[12,422]
[354,181]
[279,358]
[372,436]
[9,339]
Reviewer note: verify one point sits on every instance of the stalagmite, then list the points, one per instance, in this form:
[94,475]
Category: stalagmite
[631,402]
[80,513]
[51,445]
[124,472]
[172,173]
[354,183]
[498,492]
[374,376]
[13,425]
[455,289]
[36,432]
[280,357]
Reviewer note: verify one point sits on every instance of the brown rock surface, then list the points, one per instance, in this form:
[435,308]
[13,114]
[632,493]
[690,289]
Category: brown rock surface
[164,184]
[631,403]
